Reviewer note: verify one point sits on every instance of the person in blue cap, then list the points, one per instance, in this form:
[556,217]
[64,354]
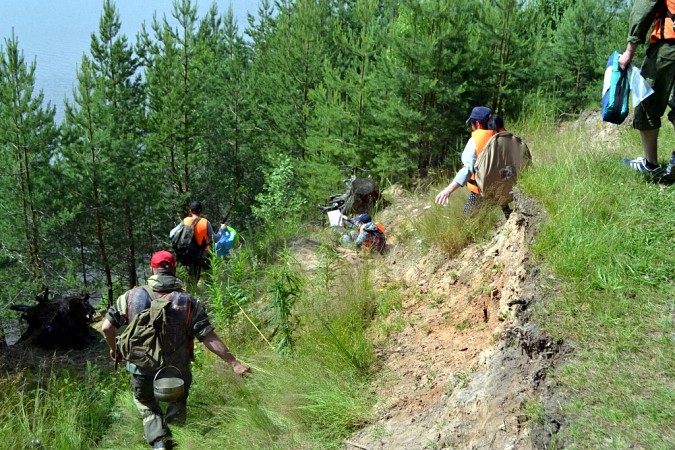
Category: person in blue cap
[484,124]
[370,235]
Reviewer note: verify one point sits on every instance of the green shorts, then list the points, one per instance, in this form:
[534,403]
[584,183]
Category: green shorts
[658,69]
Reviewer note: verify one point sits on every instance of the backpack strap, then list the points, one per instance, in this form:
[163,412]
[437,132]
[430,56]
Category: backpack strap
[154,296]
[151,293]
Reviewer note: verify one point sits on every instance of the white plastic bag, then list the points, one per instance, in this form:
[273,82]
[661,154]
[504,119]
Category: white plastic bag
[335,218]
[639,88]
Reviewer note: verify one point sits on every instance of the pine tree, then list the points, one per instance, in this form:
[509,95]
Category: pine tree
[28,138]
[114,68]
[343,111]
[430,75]
[173,137]
[288,66]
[88,156]
[576,58]
[224,58]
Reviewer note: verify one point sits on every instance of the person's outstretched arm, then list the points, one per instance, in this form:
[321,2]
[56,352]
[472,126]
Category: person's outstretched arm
[213,342]
[468,161]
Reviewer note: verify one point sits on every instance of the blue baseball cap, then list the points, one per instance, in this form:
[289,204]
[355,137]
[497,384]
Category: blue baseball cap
[364,218]
[479,113]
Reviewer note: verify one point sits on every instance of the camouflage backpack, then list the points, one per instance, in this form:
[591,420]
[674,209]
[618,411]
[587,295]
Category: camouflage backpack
[144,342]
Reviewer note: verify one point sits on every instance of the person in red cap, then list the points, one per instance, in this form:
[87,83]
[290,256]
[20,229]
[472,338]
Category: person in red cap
[484,124]
[186,320]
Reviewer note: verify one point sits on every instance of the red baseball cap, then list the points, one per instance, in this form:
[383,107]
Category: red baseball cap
[163,260]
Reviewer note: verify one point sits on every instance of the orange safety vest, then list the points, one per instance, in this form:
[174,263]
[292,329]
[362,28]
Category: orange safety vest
[480,138]
[664,25]
[201,230]
[378,224]
[378,241]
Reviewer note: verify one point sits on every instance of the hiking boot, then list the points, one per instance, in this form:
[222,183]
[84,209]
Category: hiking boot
[643,166]
[669,173]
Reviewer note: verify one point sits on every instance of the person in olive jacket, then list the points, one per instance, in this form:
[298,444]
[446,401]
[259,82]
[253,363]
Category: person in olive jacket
[186,320]
[658,69]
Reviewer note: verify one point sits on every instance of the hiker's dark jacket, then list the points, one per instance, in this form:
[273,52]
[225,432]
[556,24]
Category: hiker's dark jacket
[642,18]
[187,317]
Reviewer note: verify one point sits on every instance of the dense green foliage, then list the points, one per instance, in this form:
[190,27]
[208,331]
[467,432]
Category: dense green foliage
[194,110]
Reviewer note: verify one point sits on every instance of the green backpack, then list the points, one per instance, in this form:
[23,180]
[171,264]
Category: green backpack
[144,342]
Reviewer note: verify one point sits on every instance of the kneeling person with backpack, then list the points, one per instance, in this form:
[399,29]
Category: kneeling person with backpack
[162,322]
[370,235]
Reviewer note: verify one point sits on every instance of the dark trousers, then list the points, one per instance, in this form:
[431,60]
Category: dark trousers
[154,422]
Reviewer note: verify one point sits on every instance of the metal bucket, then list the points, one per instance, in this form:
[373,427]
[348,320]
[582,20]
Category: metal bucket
[168,387]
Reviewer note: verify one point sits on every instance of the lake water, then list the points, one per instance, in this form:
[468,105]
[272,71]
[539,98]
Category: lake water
[57,32]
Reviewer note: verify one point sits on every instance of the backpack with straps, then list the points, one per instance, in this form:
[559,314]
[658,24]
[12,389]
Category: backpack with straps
[185,244]
[376,237]
[144,342]
[499,164]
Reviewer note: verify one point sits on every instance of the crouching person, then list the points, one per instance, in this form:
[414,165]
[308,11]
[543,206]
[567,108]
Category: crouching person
[370,235]
[182,318]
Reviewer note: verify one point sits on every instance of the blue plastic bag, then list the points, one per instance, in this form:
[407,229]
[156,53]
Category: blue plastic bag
[615,91]
[228,240]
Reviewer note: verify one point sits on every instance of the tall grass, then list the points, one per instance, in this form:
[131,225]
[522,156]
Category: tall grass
[448,228]
[55,408]
[311,396]
[610,243]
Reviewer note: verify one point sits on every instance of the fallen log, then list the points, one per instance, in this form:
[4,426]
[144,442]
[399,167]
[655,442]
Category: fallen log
[52,323]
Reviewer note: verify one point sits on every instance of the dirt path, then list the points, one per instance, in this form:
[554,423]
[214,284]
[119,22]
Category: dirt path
[467,363]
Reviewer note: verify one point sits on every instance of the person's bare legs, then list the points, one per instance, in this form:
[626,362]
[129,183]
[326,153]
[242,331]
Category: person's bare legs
[650,140]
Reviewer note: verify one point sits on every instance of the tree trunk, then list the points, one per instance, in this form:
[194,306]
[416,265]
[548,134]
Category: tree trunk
[131,250]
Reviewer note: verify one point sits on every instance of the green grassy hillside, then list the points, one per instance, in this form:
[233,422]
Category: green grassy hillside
[608,245]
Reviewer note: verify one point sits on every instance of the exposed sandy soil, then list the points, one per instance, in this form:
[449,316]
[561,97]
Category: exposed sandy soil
[466,364]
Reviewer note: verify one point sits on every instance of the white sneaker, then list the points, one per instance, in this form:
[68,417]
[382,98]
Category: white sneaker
[640,165]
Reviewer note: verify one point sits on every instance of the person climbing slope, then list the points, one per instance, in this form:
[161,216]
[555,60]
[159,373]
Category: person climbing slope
[484,125]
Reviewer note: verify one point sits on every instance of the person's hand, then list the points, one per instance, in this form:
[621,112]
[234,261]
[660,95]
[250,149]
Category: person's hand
[443,197]
[240,369]
[627,56]
[625,60]
[116,356]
